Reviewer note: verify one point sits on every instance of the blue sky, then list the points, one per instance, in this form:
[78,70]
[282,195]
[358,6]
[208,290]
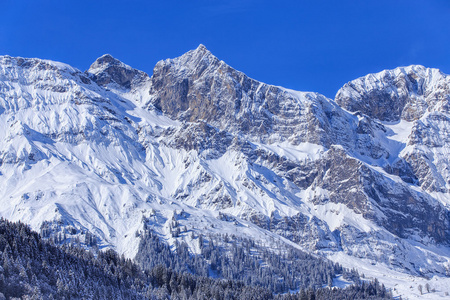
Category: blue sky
[303,45]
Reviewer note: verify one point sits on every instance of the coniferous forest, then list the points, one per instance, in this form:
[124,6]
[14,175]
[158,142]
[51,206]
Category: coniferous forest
[35,268]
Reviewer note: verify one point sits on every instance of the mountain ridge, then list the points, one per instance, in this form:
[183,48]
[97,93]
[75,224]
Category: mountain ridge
[112,150]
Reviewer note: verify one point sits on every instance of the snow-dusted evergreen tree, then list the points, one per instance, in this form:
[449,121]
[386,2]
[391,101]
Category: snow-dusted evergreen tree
[33,268]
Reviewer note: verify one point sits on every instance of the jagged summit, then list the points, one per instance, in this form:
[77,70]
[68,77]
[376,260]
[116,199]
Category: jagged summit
[105,60]
[195,61]
[199,86]
[109,70]
[391,95]
[201,49]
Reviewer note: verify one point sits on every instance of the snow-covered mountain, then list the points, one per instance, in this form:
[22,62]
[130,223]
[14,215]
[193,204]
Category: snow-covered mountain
[362,179]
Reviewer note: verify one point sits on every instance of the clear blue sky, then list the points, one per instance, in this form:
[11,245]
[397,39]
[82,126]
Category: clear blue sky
[303,45]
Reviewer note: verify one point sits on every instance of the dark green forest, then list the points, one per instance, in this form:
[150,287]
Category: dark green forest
[35,268]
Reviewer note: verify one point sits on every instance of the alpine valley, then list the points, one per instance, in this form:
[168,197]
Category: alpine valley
[199,153]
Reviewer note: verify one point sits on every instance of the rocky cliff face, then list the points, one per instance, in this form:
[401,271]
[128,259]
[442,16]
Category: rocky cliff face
[364,175]
[198,86]
[211,89]
[108,70]
[416,95]
[405,93]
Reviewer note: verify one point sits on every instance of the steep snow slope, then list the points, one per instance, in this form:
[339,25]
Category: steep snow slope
[106,150]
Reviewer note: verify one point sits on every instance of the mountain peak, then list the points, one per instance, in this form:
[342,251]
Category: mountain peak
[202,49]
[199,86]
[197,59]
[103,62]
[403,93]
[106,69]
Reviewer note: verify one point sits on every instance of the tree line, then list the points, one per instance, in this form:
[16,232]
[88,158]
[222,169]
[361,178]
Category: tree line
[34,268]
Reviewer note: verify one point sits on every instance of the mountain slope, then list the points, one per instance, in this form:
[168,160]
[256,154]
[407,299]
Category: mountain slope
[419,98]
[110,150]
[32,267]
